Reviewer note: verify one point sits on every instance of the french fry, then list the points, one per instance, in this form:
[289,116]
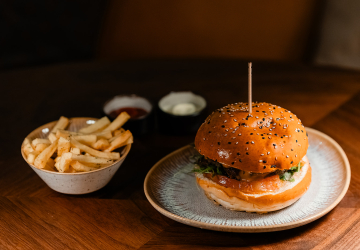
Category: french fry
[43,157]
[118,131]
[48,168]
[71,170]
[37,141]
[52,137]
[57,164]
[32,156]
[57,159]
[27,148]
[40,147]
[94,165]
[101,144]
[65,133]
[61,124]
[75,151]
[99,135]
[91,159]
[82,138]
[109,155]
[79,167]
[85,139]
[128,141]
[64,162]
[103,135]
[118,122]
[117,134]
[87,154]
[99,124]
[50,162]
[50,165]
[63,146]
[119,141]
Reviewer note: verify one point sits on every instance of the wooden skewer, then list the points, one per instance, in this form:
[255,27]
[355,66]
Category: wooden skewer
[250,88]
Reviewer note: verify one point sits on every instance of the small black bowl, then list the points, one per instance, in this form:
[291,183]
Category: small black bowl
[181,113]
[138,126]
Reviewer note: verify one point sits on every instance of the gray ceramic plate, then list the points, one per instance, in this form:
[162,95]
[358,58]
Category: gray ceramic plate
[171,188]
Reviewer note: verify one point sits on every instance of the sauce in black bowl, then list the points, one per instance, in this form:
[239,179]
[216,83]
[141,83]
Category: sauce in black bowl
[139,108]
[135,113]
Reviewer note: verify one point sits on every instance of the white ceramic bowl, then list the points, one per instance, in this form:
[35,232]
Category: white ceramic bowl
[75,183]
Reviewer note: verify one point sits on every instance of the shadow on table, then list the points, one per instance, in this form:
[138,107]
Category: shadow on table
[182,235]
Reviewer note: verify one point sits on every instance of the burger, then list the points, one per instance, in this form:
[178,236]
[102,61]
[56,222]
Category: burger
[253,162]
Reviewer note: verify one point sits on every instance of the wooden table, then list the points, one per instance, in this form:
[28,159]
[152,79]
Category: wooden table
[32,216]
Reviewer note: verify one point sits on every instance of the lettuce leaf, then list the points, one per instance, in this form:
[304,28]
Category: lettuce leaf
[288,174]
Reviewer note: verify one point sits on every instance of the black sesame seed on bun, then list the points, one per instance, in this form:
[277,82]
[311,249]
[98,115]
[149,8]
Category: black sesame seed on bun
[268,139]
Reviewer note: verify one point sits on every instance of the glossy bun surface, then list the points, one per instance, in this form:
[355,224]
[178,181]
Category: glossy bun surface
[270,138]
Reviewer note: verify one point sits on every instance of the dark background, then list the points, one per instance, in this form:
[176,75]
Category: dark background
[43,32]
[46,32]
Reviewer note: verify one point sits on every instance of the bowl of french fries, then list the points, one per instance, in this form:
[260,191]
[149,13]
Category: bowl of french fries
[78,155]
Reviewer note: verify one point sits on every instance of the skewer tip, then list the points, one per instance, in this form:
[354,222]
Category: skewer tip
[250,87]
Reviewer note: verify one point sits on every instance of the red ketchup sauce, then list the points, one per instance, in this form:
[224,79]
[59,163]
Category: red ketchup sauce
[135,113]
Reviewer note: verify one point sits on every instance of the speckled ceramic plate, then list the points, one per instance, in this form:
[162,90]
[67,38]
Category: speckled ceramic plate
[171,188]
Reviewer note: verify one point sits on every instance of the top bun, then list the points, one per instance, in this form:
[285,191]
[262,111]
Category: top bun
[268,139]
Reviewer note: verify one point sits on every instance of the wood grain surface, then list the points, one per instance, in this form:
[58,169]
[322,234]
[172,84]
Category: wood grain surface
[32,216]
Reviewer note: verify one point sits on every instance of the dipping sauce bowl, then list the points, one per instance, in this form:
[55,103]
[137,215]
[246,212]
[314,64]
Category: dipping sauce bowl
[181,113]
[139,108]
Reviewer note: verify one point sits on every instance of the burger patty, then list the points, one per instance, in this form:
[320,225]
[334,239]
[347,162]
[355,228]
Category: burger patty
[207,165]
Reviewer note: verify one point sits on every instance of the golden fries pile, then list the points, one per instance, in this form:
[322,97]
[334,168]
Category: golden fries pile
[88,149]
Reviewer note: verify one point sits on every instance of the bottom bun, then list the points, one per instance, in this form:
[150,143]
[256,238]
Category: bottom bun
[236,199]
